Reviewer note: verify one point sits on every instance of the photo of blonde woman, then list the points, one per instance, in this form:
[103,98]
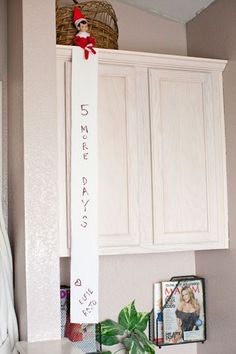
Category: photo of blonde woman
[188,311]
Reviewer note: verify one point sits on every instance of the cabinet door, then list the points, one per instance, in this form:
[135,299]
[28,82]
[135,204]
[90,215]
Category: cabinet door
[118,208]
[117,155]
[187,161]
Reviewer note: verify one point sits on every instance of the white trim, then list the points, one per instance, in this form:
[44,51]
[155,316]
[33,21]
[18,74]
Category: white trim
[77,22]
[63,346]
[150,59]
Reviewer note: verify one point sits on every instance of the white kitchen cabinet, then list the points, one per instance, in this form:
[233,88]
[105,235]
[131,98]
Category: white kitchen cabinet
[161,152]
[188,159]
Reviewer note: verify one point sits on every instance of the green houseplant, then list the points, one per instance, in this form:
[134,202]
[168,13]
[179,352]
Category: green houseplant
[128,332]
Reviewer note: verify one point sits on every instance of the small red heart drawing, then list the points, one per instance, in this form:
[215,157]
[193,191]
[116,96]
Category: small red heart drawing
[78,282]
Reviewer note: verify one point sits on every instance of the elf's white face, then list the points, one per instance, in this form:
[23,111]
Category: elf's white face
[83,27]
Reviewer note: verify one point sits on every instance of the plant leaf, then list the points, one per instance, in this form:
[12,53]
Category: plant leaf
[147,344]
[133,346]
[106,352]
[109,330]
[142,321]
[109,340]
[128,317]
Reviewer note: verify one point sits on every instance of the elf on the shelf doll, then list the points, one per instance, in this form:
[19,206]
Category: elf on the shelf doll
[83,38]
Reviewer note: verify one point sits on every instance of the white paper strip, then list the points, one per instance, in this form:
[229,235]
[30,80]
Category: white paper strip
[84,244]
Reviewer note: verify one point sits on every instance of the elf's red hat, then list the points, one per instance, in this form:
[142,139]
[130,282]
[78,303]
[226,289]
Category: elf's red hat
[78,16]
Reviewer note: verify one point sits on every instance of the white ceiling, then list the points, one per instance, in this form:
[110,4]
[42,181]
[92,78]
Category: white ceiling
[178,10]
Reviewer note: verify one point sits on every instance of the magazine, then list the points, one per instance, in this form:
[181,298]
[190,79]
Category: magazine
[64,296]
[183,311]
[158,316]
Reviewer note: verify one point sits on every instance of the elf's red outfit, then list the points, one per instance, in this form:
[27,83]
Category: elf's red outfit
[85,41]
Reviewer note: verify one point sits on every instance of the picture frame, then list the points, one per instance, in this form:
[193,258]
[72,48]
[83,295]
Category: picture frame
[180,316]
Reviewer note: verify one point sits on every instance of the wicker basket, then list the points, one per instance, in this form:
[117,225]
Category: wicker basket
[101,19]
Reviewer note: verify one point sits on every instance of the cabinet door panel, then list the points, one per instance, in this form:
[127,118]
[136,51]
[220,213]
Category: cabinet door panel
[113,157]
[184,157]
[117,152]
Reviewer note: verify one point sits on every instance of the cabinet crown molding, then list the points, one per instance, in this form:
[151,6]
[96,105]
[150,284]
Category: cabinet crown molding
[141,59]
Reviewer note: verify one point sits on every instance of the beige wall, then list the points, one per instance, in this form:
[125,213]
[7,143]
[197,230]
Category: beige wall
[15,154]
[142,31]
[212,34]
[3,78]
[33,166]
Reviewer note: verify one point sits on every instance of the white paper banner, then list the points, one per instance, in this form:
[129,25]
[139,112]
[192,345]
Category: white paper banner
[84,243]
